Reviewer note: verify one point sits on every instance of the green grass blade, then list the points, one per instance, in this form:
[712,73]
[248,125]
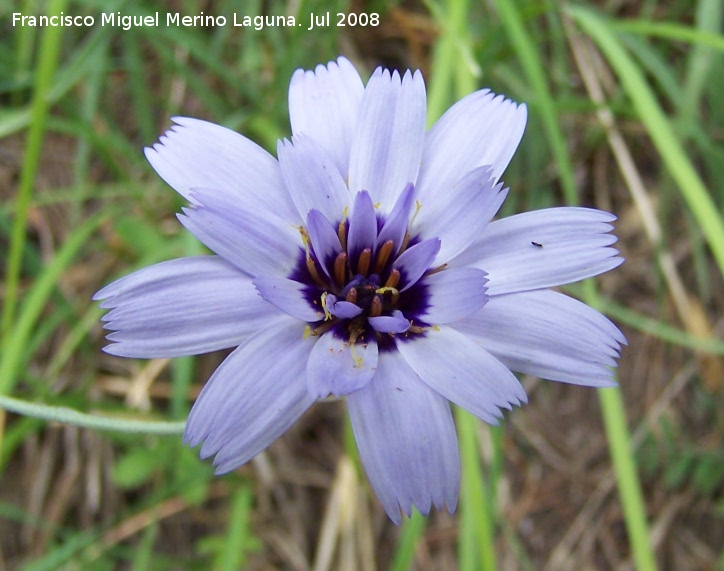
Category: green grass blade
[627,478]
[534,69]
[476,547]
[410,533]
[143,556]
[454,75]
[661,330]
[13,352]
[453,63]
[238,535]
[48,61]
[61,555]
[669,31]
[708,20]
[659,128]
[619,441]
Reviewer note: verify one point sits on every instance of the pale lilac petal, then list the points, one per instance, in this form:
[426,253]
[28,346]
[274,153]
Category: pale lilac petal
[406,438]
[341,308]
[479,130]
[324,104]
[431,306]
[395,226]
[470,205]
[256,242]
[256,394]
[463,372]
[199,154]
[455,294]
[415,261]
[543,248]
[335,366]
[325,240]
[362,227]
[181,307]
[549,335]
[312,178]
[395,323]
[289,296]
[387,147]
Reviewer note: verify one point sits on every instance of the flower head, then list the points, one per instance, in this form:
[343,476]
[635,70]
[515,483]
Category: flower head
[363,263]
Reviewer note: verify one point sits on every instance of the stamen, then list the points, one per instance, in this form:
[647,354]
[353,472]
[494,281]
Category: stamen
[417,329]
[353,335]
[418,207]
[435,270]
[376,306]
[395,294]
[312,269]
[342,229]
[340,268]
[393,279]
[358,361]
[327,314]
[305,237]
[322,329]
[352,295]
[383,255]
[363,265]
[406,240]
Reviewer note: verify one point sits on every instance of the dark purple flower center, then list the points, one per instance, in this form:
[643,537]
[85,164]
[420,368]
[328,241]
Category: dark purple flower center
[352,290]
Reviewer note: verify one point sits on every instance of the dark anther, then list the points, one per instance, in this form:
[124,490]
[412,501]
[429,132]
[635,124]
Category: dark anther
[363,265]
[340,268]
[313,271]
[342,234]
[376,306]
[383,255]
[393,279]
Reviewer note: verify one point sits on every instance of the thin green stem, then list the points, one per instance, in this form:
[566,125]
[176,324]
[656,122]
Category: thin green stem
[70,416]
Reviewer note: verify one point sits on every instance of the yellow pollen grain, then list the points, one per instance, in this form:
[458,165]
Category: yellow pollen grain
[383,255]
[305,237]
[327,314]
[358,361]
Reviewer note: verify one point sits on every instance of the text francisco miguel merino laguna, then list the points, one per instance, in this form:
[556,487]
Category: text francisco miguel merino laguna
[117,19]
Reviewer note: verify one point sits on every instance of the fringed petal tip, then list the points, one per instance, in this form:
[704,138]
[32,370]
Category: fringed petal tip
[407,441]
[255,395]
[402,509]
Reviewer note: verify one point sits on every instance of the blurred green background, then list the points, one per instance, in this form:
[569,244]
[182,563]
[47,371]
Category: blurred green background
[625,114]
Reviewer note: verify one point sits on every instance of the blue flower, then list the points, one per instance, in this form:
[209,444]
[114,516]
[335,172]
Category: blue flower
[363,263]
